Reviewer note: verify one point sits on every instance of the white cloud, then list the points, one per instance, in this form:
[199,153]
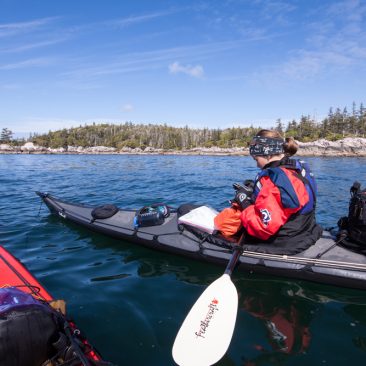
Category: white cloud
[11,29]
[150,60]
[333,43]
[31,46]
[35,62]
[11,86]
[278,11]
[303,66]
[309,64]
[195,71]
[127,108]
[124,22]
[350,10]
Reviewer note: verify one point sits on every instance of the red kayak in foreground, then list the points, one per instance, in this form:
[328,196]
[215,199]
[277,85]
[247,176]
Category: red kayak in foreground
[25,307]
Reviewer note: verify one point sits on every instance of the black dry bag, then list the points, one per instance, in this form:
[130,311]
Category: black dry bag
[355,223]
[27,329]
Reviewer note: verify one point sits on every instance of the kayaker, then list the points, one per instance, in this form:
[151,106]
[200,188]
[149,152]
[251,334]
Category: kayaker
[278,207]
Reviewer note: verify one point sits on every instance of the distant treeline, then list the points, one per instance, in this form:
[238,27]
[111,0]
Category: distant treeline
[338,124]
[140,135]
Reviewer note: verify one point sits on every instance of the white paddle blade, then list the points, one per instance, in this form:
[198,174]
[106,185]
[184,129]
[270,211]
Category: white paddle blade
[206,332]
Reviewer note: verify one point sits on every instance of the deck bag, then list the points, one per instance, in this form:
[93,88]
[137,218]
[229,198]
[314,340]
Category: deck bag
[104,212]
[355,222]
[151,215]
[27,329]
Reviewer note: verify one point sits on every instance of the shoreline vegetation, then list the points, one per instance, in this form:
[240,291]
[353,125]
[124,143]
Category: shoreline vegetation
[339,134]
[350,147]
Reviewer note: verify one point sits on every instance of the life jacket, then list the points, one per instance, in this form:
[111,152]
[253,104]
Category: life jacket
[288,195]
[301,230]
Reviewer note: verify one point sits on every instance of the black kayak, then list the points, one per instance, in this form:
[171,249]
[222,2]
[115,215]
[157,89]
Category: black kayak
[324,262]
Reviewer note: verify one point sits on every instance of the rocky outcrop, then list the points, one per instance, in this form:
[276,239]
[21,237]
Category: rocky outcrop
[4,148]
[29,148]
[215,150]
[91,150]
[345,147]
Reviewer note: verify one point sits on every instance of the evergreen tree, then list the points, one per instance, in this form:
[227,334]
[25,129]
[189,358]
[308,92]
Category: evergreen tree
[161,136]
[362,120]
[6,136]
[279,126]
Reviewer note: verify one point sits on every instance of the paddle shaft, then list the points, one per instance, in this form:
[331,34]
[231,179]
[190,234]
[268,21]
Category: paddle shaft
[235,256]
[233,260]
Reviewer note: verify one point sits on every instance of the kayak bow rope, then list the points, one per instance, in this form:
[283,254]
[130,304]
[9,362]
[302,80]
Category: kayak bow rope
[206,332]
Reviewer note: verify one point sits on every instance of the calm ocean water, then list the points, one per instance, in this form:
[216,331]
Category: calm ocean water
[131,301]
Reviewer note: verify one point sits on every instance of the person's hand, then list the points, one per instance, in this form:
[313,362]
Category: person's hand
[243,196]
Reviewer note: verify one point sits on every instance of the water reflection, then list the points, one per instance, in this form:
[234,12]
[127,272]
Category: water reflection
[284,318]
[353,310]
[279,320]
[289,312]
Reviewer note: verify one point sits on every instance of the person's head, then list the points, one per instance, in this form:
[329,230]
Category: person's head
[269,145]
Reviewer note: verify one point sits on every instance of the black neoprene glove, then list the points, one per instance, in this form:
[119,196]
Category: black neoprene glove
[243,196]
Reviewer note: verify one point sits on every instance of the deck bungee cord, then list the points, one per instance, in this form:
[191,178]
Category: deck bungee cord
[301,260]
[326,261]
[275,257]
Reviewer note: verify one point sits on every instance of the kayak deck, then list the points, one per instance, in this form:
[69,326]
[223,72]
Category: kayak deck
[324,262]
[14,274]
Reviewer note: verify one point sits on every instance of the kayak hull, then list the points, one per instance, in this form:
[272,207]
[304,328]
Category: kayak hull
[324,262]
[14,274]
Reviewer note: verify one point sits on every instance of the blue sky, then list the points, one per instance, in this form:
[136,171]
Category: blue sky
[199,63]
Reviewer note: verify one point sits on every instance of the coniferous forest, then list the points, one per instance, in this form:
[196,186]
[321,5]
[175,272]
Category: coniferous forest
[338,124]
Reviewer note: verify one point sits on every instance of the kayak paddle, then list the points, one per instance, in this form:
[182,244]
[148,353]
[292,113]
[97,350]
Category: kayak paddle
[206,332]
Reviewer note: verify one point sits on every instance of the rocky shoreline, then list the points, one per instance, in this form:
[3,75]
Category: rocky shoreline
[345,147]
